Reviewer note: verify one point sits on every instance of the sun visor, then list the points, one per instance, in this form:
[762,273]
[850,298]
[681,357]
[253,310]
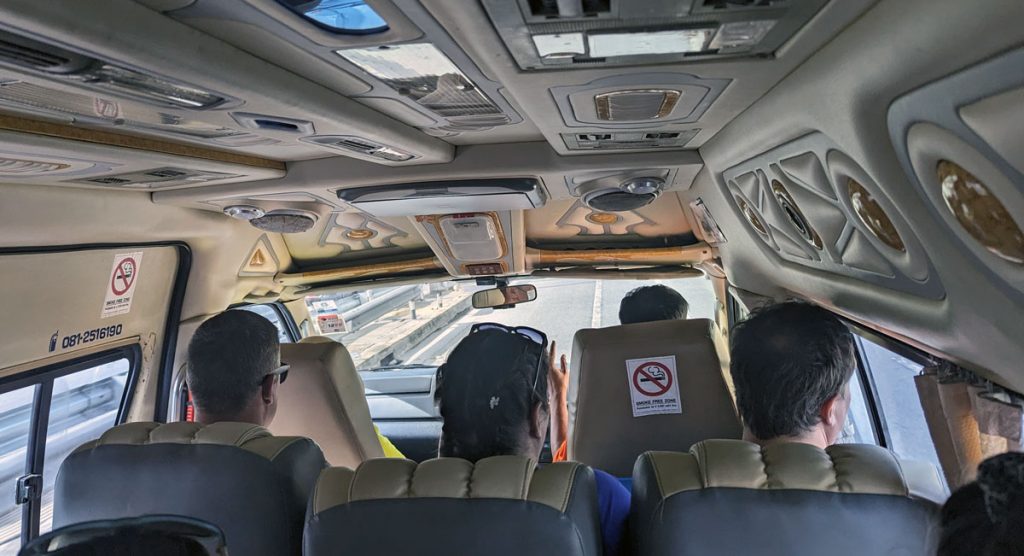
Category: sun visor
[446,197]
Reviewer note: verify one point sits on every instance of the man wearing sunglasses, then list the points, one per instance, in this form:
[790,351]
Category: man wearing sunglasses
[493,397]
[234,369]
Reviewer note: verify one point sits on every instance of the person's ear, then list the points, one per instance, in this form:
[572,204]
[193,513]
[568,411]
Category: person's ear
[268,389]
[829,413]
[539,421]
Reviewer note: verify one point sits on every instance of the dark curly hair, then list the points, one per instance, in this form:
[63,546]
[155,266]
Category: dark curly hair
[486,394]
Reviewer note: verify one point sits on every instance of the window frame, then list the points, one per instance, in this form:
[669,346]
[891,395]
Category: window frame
[42,379]
[282,314]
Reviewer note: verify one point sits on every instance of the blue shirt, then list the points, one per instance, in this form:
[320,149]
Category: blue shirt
[613,503]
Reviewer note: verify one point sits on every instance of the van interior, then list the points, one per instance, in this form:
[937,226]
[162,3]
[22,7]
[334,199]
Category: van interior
[375,177]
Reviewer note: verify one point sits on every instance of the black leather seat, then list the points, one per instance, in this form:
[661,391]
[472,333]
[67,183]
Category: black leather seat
[237,476]
[499,506]
[733,497]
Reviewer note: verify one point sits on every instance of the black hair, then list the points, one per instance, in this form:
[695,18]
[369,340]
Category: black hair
[486,394]
[652,303]
[967,528]
[787,361]
[228,357]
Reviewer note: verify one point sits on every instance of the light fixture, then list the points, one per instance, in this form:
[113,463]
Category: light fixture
[980,213]
[425,75]
[639,43]
[603,218]
[560,45]
[244,212]
[360,234]
[741,34]
[635,104]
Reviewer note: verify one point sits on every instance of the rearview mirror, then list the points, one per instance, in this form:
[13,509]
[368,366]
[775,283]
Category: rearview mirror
[505,296]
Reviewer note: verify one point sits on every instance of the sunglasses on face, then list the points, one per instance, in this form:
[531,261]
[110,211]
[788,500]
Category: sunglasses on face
[281,371]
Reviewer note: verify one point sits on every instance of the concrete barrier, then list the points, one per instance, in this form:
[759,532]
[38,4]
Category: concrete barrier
[416,332]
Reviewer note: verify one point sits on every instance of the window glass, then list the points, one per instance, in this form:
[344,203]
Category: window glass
[858,428]
[352,17]
[417,326]
[893,376]
[271,314]
[84,404]
[16,415]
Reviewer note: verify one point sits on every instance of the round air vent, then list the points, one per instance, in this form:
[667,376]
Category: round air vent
[795,215]
[243,212]
[629,195]
[360,234]
[752,217]
[285,221]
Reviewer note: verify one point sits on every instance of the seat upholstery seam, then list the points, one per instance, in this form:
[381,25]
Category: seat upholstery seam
[657,475]
[568,488]
[524,489]
[903,477]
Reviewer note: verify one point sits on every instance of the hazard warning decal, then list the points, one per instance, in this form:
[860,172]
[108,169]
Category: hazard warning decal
[653,386]
[121,286]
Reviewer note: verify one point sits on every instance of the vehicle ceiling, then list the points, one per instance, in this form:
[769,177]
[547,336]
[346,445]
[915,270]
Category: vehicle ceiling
[838,99]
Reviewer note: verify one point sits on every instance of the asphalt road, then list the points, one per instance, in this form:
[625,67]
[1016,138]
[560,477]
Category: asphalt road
[563,306]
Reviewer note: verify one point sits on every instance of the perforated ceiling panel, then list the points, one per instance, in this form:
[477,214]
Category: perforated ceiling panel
[814,206]
[959,141]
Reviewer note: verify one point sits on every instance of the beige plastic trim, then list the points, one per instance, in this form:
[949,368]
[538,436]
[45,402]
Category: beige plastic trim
[69,356]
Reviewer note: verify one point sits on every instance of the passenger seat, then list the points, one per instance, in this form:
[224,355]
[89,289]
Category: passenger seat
[501,505]
[324,399]
[734,497]
[603,431]
[237,476]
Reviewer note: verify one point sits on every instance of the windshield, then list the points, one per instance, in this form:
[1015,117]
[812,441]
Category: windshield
[419,325]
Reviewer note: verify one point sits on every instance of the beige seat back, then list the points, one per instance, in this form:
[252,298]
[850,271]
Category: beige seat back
[735,497]
[323,399]
[603,431]
[502,506]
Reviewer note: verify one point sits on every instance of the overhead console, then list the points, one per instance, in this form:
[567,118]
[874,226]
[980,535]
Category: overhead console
[445,197]
[156,77]
[566,34]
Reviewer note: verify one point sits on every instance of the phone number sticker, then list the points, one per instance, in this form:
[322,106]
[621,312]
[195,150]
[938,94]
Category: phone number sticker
[84,337]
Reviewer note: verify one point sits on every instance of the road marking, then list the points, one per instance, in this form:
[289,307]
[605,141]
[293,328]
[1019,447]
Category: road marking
[595,320]
[412,358]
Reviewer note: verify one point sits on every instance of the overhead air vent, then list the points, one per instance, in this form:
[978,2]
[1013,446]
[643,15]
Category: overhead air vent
[628,140]
[157,177]
[361,146]
[629,194]
[561,9]
[26,53]
[639,104]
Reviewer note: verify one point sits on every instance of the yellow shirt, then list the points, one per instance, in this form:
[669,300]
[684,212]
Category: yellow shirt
[389,449]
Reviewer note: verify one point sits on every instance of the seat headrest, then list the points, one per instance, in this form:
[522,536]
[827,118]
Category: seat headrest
[249,437]
[847,468]
[500,505]
[506,477]
[602,391]
[735,497]
[324,399]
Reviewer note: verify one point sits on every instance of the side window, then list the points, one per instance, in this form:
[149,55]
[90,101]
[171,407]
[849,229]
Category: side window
[904,421]
[270,313]
[45,417]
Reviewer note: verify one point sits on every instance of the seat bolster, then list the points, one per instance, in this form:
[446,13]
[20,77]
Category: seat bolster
[333,488]
[923,481]
[181,432]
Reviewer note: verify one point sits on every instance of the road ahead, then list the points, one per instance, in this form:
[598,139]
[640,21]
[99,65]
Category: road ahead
[562,307]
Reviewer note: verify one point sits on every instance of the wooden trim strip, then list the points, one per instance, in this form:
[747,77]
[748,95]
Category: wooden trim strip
[359,271]
[73,133]
[690,254]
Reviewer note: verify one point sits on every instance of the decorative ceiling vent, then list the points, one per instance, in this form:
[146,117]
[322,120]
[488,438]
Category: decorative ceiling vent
[19,167]
[637,104]
[361,146]
[628,140]
[26,53]
[157,177]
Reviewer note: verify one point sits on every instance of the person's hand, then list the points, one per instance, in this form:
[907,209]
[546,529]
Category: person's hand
[558,376]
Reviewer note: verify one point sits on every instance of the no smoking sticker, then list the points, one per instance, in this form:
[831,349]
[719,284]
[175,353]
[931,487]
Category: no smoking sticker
[653,386]
[121,286]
